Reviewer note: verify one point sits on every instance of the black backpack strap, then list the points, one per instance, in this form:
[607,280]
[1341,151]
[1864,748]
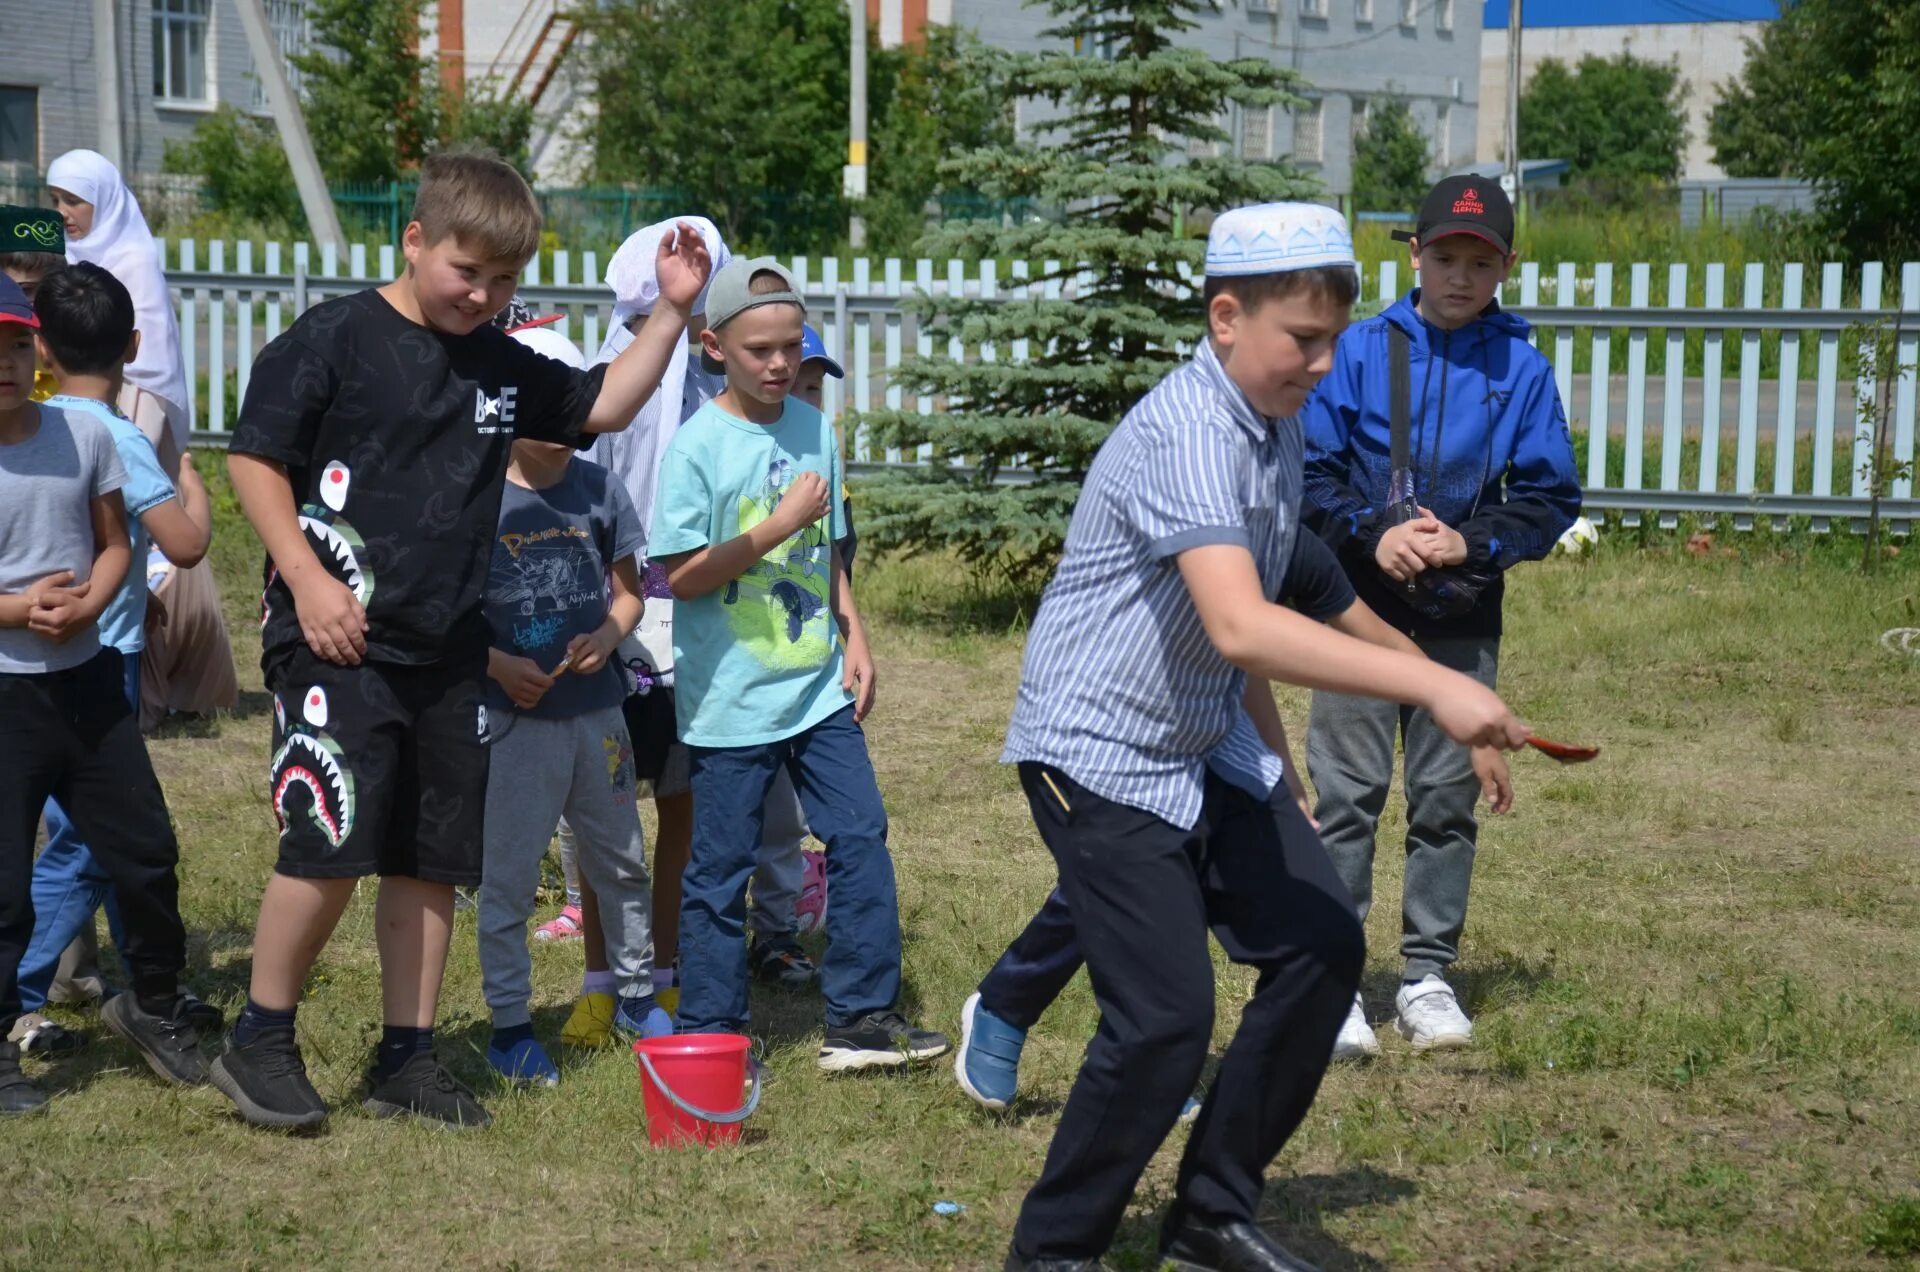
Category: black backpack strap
[1400,395]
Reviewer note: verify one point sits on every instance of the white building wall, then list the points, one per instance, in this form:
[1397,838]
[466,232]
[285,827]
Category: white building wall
[1709,54]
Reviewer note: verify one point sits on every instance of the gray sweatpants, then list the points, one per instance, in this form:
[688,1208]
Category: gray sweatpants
[779,872]
[581,767]
[1350,758]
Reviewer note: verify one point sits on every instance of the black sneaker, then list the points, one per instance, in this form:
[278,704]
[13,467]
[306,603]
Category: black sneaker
[879,1040]
[267,1081]
[170,1044]
[35,1035]
[779,960]
[423,1088]
[17,1095]
[202,1015]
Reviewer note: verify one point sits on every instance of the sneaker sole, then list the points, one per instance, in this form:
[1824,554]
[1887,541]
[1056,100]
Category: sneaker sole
[1444,1042]
[110,1016]
[853,1061]
[384,1110]
[259,1114]
[974,1093]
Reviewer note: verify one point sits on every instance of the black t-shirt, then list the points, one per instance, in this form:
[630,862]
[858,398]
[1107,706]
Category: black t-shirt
[396,439]
[1316,585]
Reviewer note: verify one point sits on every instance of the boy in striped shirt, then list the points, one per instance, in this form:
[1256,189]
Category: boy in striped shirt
[1178,549]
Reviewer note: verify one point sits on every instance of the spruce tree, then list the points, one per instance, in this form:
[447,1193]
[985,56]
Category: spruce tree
[1139,147]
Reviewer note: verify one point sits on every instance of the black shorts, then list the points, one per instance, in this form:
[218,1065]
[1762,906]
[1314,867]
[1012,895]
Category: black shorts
[379,769]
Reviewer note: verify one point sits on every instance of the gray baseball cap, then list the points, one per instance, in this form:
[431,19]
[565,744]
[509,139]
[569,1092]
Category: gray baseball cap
[729,295]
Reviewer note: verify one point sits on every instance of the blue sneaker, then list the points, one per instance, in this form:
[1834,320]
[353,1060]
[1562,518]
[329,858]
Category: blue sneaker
[641,1018]
[525,1063]
[988,1062]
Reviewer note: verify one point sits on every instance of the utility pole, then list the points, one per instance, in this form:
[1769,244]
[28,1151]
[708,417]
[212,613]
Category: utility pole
[106,80]
[314,199]
[1513,111]
[854,183]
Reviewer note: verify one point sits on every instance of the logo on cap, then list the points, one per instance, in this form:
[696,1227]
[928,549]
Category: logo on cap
[1469,204]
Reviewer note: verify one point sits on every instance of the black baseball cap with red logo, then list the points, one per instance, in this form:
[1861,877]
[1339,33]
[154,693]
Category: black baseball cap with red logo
[1465,205]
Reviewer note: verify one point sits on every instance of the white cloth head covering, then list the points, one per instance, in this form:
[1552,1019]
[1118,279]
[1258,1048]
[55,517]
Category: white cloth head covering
[633,455]
[549,343]
[1277,238]
[120,243]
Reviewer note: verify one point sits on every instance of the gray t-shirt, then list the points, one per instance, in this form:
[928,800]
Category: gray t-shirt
[47,485]
[547,582]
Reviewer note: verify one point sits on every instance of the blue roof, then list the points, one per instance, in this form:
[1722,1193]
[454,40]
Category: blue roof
[1566,13]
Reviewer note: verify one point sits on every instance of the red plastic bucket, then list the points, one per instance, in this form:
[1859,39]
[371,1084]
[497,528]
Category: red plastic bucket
[692,1084]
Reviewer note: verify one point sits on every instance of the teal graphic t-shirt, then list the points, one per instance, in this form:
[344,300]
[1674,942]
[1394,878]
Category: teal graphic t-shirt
[758,659]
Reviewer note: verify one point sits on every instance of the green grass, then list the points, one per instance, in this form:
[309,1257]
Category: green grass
[1690,962]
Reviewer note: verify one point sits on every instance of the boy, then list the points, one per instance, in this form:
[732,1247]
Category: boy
[65,727]
[369,457]
[86,338]
[33,247]
[1491,470]
[789,880]
[1177,550]
[567,532]
[1036,967]
[773,672]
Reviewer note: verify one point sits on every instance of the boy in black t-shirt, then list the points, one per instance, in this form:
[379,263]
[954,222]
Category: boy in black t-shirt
[369,457]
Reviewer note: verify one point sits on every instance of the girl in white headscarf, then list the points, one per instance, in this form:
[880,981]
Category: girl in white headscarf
[105,226]
[188,662]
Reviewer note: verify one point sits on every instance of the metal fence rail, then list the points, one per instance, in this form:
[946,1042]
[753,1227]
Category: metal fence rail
[1690,406]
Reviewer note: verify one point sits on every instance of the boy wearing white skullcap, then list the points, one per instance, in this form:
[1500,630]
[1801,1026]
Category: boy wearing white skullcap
[1151,761]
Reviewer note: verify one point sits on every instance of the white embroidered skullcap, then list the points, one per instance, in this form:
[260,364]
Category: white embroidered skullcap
[1277,238]
[550,343]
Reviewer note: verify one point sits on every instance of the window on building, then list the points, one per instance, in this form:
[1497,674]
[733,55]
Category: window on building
[20,126]
[292,33]
[1443,134]
[1363,12]
[1256,132]
[1308,143]
[1409,13]
[1313,8]
[1443,15]
[1362,113]
[180,50]
[1205,148]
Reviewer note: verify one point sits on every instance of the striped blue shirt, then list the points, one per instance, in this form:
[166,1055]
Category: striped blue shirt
[1121,689]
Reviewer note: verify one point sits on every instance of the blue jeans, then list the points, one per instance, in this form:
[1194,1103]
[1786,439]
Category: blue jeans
[68,886]
[835,782]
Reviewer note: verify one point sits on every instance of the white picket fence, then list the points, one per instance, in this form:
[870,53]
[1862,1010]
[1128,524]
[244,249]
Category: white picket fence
[1695,436]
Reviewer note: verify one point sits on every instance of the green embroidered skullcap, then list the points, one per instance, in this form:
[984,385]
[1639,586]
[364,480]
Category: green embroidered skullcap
[31,230]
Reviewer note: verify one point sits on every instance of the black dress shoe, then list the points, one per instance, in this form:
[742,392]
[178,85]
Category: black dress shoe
[1196,1246]
[1017,1262]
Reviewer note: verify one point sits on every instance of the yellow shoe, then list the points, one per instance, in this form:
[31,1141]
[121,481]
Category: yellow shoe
[591,1022]
[669,999]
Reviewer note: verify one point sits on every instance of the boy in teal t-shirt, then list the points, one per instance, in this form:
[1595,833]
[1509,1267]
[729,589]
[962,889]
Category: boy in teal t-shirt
[772,671]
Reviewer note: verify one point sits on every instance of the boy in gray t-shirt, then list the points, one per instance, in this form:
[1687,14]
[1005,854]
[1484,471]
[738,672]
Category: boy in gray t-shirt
[66,729]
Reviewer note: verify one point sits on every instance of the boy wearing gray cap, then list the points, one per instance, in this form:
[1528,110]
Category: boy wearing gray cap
[772,672]
[1150,761]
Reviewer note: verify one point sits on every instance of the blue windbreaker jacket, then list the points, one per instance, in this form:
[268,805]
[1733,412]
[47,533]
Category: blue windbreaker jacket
[1491,453]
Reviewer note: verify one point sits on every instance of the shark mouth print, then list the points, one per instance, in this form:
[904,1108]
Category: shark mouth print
[340,549]
[311,759]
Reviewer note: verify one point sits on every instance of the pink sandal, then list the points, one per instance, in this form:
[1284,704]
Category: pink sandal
[564,926]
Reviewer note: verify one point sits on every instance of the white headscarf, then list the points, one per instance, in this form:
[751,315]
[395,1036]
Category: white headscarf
[120,243]
[633,455]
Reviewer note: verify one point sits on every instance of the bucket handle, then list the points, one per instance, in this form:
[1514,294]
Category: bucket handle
[738,1115]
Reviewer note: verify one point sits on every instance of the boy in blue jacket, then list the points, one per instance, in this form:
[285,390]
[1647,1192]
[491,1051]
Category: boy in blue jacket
[1486,480]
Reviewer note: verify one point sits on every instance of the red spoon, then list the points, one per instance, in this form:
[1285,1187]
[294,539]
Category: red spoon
[1561,751]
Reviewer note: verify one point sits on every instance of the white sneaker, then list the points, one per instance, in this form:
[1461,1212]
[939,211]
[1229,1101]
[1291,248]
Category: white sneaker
[1356,1040]
[1429,1016]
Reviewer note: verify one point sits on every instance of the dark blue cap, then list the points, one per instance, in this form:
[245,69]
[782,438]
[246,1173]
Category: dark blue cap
[14,306]
[813,348]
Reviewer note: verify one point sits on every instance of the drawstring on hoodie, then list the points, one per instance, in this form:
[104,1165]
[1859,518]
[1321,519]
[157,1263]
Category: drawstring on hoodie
[1440,422]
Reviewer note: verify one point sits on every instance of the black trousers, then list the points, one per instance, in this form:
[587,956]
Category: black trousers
[71,734]
[1143,895]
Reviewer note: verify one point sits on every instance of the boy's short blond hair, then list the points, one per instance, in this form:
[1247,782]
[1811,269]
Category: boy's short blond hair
[480,199]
